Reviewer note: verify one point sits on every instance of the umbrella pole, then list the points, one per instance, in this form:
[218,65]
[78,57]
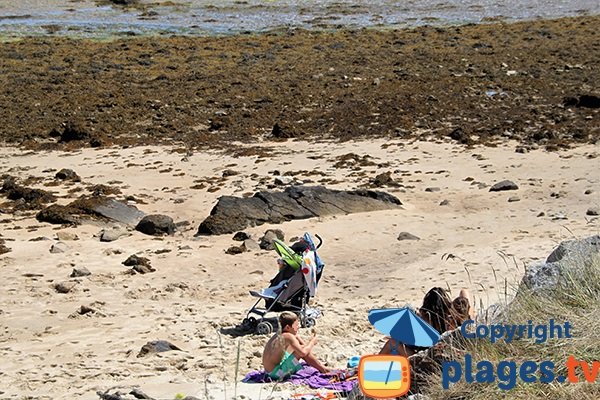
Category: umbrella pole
[387,378]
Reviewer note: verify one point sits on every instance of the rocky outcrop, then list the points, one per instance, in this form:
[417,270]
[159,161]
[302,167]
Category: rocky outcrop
[91,206]
[546,275]
[232,214]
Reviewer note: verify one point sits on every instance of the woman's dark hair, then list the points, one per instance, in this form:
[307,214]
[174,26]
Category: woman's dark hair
[436,305]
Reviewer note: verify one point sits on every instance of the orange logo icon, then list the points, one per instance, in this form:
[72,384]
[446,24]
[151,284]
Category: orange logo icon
[384,376]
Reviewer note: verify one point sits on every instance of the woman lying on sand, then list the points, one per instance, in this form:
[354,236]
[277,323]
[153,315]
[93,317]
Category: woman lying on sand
[439,312]
[282,353]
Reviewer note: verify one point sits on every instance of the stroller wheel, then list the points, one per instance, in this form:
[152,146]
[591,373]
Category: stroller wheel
[264,328]
[309,322]
[249,322]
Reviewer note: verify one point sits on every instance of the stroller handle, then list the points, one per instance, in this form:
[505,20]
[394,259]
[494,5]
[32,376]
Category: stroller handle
[320,241]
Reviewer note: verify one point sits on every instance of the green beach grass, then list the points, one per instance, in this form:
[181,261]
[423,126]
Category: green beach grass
[575,299]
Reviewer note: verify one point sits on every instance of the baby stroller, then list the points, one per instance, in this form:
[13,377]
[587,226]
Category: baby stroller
[292,287]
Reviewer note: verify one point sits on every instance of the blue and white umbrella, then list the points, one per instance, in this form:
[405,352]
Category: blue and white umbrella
[404,326]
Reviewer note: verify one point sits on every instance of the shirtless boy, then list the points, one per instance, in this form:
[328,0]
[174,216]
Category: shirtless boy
[283,352]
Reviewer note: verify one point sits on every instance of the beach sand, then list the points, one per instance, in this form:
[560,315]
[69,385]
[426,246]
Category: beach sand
[197,295]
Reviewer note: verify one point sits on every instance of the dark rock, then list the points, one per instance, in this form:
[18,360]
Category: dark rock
[138,394]
[593,211]
[460,136]
[432,189]
[57,214]
[93,207]
[157,346]
[232,214]
[504,185]
[111,209]
[134,260]
[156,224]
[235,250]
[64,287]
[67,174]
[31,198]
[586,101]
[407,236]
[229,172]
[3,248]
[266,242]
[103,190]
[79,272]
[240,236]
[383,179]
[109,396]
[513,199]
[445,202]
[143,269]
[284,132]
[73,131]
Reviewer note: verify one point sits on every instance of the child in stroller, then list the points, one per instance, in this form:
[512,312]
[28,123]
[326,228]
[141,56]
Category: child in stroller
[300,270]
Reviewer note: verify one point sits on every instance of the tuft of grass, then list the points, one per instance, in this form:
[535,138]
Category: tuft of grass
[576,299]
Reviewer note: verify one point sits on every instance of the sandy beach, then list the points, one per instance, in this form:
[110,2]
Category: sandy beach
[433,115]
[198,293]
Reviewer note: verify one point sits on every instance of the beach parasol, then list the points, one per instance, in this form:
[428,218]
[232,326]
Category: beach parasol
[404,326]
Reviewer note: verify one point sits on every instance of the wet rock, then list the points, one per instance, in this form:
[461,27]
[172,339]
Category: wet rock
[156,346]
[156,224]
[231,214]
[407,236]
[58,247]
[504,185]
[79,272]
[64,287]
[267,240]
[66,174]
